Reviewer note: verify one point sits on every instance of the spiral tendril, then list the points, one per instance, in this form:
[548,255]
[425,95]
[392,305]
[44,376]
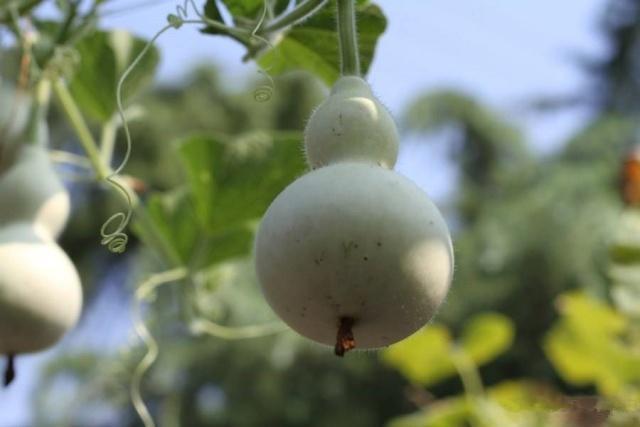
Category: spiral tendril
[264,92]
[115,241]
[182,13]
[144,292]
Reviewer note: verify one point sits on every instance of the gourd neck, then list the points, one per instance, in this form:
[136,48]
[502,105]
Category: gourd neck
[36,132]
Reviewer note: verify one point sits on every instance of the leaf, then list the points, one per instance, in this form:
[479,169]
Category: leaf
[103,59]
[525,395]
[423,358]
[586,345]
[94,83]
[452,412]
[486,336]
[230,186]
[173,216]
[235,181]
[627,297]
[244,8]
[625,249]
[212,11]
[313,45]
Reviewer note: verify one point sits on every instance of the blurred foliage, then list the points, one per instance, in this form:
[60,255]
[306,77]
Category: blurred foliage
[429,355]
[594,343]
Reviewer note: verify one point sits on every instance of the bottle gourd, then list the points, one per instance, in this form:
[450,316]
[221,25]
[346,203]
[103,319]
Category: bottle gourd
[352,253]
[40,291]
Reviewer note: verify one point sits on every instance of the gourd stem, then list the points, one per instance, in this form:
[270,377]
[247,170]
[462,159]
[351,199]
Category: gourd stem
[348,38]
[345,340]
[38,113]
[300,12]
[10,370]
[108,140]
[80,127]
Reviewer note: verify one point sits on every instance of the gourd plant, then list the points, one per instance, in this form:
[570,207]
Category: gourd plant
[352,254]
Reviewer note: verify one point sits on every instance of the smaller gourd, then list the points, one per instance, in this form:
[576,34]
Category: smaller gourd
[30,190]
[351,125]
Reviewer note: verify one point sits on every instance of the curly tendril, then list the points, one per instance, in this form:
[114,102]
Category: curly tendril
[116,241]
[146,292]
[143,293]
[264,92]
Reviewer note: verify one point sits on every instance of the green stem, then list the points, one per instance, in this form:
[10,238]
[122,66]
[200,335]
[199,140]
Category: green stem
[108,140]
[470,377]
[38,114]
[102,171]
[348,37]
[81,129]
[301,12]
[468,373]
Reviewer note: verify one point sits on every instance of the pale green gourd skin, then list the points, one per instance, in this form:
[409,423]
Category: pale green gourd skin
[351,125]
[40,292]
[14,113]
[31,191]
[354,240]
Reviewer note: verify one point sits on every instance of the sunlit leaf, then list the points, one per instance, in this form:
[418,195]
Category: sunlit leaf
[313,45]
[454,412]
[587,347]
[423,357]
[523,395]
[486,336]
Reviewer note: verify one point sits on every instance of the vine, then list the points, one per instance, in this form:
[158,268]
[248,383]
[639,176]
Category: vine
[145,292]
[348,37]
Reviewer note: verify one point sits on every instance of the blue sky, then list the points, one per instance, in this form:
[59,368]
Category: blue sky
[502,51]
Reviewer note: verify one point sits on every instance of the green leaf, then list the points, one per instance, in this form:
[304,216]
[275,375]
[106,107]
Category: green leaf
[586,345]
[174,217]
[452,412]
[524,395]
[423,358]
[625,249]
[486,336]
[235,181]
[104,57]
[313,45]
[212,11]
[626,295]
[230,185]
[244,8]
[624,255]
